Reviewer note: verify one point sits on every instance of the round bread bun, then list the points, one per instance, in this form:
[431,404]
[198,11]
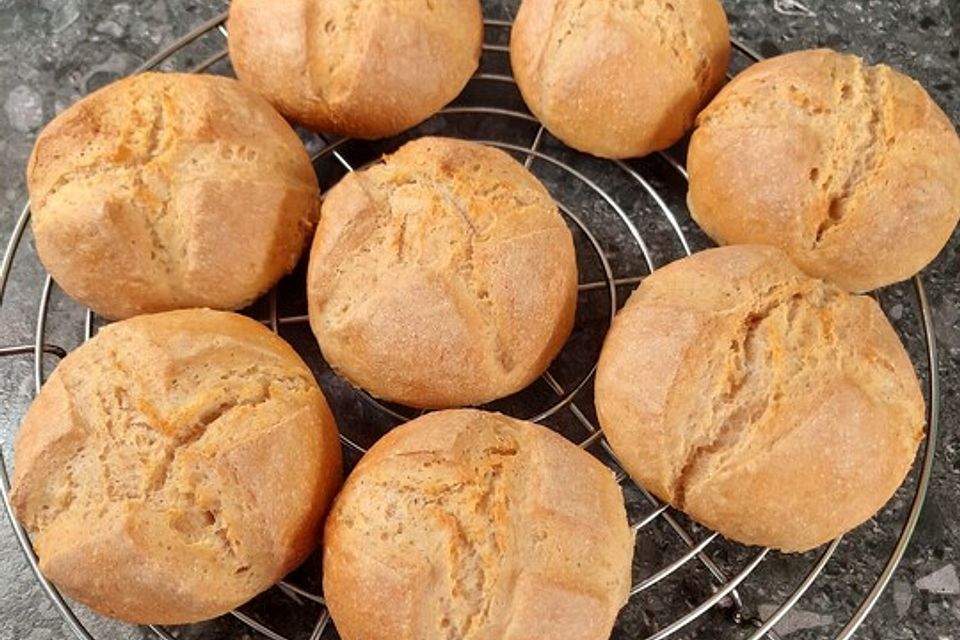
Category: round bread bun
[769,406]
[359,69]
[851,169]
[442,277]
[175,466]
[619,79]
[465,524]
[151,194]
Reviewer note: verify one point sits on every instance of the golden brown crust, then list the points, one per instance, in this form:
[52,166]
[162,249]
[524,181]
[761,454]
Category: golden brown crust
[175,466]
[473,525]
[829,159]
[768,405]
[443,277]
[151,195]
[584,69]
[359,69]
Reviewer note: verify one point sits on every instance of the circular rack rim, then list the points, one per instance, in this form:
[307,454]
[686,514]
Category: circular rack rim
[724,587]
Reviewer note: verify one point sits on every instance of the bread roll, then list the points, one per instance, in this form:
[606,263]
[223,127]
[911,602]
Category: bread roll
[358,69]
[469,525]
[849,168]
[165,191]
[770,406]
[175,466]
[442,277]
[619,79]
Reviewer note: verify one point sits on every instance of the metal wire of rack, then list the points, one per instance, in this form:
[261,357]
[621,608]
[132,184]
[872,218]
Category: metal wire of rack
[723,584]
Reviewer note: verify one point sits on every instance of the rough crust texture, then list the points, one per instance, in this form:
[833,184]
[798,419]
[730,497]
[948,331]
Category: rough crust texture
[851,169]
[175,466]
[442,277]
[356,68]
[770,406]
[151,194]
[465,525]
[619,78]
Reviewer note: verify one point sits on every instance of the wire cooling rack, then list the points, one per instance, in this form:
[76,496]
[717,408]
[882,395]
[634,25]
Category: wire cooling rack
[628,218]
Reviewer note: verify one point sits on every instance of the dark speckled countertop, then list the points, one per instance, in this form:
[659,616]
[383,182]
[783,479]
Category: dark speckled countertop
[54,51]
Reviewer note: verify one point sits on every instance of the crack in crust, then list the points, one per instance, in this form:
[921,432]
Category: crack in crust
[131,154]
[458,509]
[565,19]
[469,608]
[674,31]
[743,394]
[142,142]
[468,274]
[860,141]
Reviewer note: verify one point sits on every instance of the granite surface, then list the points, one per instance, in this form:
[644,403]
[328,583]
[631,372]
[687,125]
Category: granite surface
[54,51]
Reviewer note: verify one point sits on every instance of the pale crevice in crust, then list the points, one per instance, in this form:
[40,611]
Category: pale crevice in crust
[473,577]
[81,174]
[672,29]
[471,279]
[745,392]
[469,275]
[159,140]
[566,18]
[158,136]
[860,140]
[459,505]
[324,56]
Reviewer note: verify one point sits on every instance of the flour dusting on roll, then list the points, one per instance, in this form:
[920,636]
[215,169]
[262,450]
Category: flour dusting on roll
[175,466]
[619,79]
[152,194]
[851,169]
[356,68]
[472,525]
[770,406]
[442,277]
